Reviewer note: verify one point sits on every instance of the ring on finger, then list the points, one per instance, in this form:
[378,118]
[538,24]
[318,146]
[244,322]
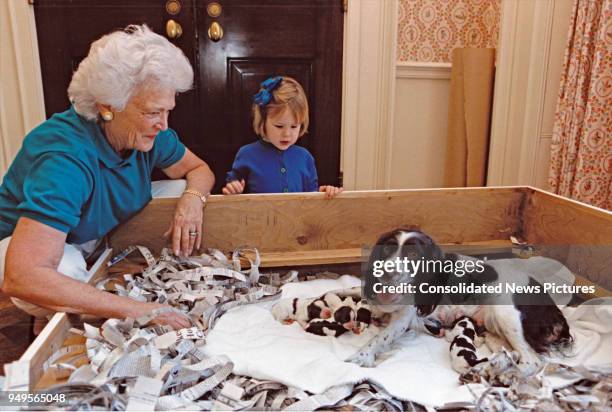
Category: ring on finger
[193,233]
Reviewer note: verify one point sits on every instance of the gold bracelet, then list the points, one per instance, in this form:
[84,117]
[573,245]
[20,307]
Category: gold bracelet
[194,192]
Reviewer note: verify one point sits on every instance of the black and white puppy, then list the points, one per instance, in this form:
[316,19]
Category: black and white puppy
[346,313]
[319,309]
[301,310]
[324,327]
[352,313]
[464,341]
[363,318]
[527,328]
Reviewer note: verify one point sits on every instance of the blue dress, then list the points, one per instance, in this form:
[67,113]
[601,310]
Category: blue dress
[267,169]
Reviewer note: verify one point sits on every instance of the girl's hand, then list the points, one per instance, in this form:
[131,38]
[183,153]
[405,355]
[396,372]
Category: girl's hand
[234,188]
[331,191]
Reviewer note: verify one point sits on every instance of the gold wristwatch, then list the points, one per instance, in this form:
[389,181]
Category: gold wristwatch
[200,195]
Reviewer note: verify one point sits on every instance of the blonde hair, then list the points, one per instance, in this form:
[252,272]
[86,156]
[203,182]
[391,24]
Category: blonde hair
[121,62]
[288,95]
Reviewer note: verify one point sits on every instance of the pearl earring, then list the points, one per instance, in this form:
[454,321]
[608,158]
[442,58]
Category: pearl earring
[107,116]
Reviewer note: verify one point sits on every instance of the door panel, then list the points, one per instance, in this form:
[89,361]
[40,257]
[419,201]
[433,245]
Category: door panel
[302,39]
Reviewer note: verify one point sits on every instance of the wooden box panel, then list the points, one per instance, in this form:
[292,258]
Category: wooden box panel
[309,222]
[576,234]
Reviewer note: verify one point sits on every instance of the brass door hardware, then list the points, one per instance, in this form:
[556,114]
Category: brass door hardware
[215,31]
[173,7]
[214,9]
[173,29]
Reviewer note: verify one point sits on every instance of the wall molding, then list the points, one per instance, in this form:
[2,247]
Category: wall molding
[368,94]
[536,91]
[502,102]
[419,70]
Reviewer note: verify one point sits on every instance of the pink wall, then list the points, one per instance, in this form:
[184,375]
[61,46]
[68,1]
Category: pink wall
[428,30]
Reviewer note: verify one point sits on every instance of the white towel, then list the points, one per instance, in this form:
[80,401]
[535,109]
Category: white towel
[418,369]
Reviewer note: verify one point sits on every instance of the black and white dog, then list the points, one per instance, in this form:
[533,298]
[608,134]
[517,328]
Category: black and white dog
[517,323]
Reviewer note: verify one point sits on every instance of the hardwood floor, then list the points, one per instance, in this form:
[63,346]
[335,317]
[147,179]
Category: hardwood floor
[15,332]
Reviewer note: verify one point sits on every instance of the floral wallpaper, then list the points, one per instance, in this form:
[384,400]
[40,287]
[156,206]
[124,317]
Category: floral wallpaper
[428,30]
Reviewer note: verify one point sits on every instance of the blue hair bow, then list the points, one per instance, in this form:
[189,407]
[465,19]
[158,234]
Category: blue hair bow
[265,95]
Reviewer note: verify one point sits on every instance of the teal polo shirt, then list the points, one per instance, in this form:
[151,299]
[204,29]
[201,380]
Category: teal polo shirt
[67,176]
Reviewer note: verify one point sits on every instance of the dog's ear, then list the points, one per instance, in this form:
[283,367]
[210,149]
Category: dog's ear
[377,253]
[369,279]
[433,258]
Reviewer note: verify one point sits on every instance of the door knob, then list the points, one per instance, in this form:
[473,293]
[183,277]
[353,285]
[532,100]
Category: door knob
[173,29]
[215,31]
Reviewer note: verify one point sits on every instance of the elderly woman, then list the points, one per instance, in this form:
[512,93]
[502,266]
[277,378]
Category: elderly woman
[88,169]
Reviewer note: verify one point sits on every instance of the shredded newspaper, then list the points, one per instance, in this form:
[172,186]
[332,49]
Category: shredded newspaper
[132,365]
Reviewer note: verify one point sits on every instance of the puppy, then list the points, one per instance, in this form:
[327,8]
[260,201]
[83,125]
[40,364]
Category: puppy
[530,329]
[464,342]
[324,327]
[363,318]
[318,309]
[300,310]
[345,314]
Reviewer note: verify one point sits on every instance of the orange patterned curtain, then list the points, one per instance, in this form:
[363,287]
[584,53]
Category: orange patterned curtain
[581,152]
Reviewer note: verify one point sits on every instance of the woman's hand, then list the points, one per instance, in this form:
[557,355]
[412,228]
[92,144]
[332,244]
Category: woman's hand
[186,225]
[234,188]
[173,318]
[331,191]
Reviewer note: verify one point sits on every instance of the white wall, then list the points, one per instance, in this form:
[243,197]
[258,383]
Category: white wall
[21,96]
[419,139]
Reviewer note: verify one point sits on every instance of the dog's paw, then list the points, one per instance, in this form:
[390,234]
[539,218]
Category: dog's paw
[363,359]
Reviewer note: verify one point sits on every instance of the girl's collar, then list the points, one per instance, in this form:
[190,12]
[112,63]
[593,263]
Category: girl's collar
[268,144]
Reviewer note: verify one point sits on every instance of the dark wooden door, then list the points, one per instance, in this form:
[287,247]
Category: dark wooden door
[299,38]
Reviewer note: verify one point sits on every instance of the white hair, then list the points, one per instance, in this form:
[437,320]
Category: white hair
[121,62]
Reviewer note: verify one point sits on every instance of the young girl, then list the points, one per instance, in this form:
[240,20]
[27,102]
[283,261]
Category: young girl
[274,164]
